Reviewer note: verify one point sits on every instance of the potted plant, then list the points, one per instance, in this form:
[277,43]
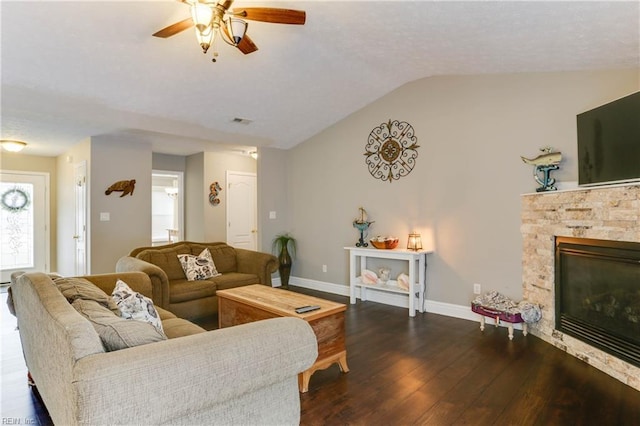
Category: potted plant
[285,246]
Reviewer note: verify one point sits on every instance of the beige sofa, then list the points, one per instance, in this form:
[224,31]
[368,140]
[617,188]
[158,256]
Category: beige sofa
[238,375]
[197,299]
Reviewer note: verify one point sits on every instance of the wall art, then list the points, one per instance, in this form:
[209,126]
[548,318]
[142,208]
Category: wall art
[391,150]
[124,186]
[214,192]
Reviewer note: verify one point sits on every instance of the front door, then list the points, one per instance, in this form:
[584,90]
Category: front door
[24,216]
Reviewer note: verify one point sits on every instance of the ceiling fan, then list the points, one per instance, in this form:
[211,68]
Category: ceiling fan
[210,17]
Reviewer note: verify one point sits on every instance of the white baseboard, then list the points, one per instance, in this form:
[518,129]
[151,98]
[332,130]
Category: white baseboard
[393,299]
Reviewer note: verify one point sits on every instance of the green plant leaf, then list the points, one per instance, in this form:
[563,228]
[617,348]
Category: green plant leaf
[284,240]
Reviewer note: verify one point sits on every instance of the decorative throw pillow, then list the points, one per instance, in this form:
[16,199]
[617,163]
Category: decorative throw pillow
[81,288]
[199,267]
[136,306]
[115,332]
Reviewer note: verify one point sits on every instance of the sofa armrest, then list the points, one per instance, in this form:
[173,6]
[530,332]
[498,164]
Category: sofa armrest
[258,263]
[167,381]
[159,279]
[138,281]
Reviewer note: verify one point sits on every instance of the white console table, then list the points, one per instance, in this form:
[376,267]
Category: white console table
[417,272]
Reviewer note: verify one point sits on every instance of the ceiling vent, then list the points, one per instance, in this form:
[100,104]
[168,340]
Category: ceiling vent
[239,120]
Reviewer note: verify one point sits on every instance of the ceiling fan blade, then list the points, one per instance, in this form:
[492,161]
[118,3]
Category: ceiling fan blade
[273,15]
[247,45]
[174,28]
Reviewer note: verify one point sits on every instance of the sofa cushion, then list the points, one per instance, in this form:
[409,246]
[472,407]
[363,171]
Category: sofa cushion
[135,306]
[115,332]
[167,259]
[224,256]
[164,314]
[200,267]
[184,291]
[178,327]
[79,288]
[234,279]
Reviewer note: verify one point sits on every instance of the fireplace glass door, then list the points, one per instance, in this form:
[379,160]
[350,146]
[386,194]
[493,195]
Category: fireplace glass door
[597,292]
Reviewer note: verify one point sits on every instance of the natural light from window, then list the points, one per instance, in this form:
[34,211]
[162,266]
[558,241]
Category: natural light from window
[16,225]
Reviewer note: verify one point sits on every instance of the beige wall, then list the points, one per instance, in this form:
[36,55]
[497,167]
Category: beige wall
[129,226]
[216,166]
[29,163]
[272,195]
[204,221]
[174,163]
[194,187]
[465,188]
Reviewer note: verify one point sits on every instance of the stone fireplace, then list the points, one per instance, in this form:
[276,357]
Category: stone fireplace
[604,213]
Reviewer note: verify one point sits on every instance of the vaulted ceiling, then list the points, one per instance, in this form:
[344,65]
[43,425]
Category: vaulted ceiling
[71,70]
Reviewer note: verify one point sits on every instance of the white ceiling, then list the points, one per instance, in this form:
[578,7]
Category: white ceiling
[71,70]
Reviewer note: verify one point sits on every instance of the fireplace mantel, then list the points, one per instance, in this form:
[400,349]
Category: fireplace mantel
[605,213]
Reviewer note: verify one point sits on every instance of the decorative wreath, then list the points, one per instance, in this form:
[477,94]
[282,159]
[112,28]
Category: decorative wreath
[391,150]
[14,200]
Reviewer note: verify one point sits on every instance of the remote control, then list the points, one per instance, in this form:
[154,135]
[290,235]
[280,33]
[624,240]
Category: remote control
[304,309]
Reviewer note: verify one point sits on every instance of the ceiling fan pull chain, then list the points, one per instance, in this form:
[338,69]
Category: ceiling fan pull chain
[215,50]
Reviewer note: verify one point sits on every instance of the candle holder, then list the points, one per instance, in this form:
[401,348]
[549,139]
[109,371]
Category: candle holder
[415,242]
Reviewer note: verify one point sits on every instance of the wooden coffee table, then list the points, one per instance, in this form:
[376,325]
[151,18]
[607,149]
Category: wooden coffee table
[257,302]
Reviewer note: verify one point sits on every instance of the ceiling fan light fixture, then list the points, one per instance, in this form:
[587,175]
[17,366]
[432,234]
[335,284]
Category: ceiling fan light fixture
[202,16]
[205,38]
[236,28]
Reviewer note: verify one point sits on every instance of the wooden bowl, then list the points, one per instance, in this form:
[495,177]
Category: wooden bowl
[388,244]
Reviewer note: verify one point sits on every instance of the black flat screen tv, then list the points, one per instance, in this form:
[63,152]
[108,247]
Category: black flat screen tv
[609,142]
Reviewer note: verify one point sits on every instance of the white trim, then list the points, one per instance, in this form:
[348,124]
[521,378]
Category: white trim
[47,212]
[401,301]
[181,199]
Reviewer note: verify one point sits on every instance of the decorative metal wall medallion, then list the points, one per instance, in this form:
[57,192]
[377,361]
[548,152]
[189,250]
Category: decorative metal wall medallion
[391,150]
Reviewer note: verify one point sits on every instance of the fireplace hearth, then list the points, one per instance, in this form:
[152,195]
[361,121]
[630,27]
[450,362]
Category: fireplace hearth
[597,289]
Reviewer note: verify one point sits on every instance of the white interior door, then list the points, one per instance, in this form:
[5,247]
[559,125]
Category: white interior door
[80,236]
[24,221]
[242,229]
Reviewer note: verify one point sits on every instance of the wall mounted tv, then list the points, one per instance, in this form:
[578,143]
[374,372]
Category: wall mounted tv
[609,142]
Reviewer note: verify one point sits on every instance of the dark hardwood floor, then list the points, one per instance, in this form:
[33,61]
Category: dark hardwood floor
[427,370]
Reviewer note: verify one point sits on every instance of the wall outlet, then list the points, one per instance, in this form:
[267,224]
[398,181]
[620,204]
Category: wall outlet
[477,289]
[324,268]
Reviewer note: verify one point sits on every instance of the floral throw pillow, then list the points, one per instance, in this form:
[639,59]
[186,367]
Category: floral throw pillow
[135,306]
[199,267]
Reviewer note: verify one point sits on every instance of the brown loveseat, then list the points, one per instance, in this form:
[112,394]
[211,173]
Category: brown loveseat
[197,299]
